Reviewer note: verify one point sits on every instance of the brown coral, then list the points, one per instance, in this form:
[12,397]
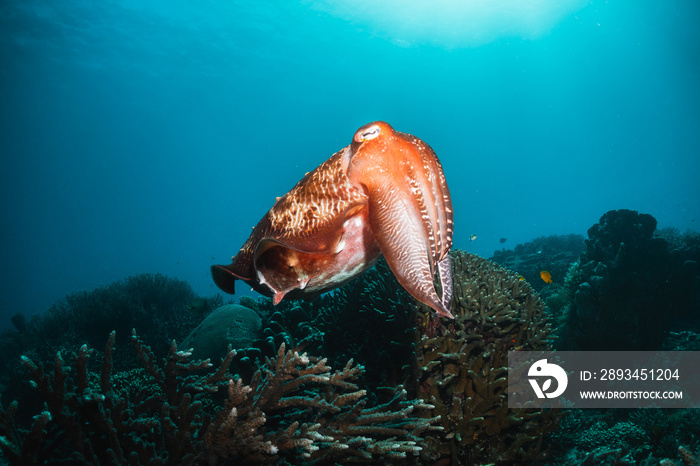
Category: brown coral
[277,415]
[463,365]
[295,410]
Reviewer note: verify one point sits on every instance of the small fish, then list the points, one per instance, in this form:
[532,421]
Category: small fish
[521,278]
[502,240]
[546,276]
[472,237]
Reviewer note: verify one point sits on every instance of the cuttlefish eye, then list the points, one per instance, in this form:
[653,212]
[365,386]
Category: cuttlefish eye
[367,134]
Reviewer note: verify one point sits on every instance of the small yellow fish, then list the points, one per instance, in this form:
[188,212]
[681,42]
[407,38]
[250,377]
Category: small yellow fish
[546,276]
[521,278]
[472,237]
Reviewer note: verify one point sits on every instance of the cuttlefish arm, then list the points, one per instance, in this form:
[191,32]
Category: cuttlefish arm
[410,209]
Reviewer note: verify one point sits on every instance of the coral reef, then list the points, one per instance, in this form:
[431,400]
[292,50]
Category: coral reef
[158,307]
[372,320]
[83,423]
[277,415]
[295,399]
[375,322]
[345,325]
[626,437]
[628,288]
[295,410]
[681,341]
[463,366]
[553,253]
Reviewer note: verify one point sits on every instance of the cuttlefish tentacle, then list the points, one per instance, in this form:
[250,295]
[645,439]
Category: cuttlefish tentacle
[407,210]
[403,242]
[445,272]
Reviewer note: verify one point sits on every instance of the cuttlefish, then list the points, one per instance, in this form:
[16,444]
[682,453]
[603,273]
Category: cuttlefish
[384,194]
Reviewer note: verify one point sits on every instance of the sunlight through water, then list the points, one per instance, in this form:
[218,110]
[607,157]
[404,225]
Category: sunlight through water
[452,23]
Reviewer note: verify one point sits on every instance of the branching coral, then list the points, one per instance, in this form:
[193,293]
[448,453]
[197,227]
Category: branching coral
[459,366]
[279,415]
[106,425]
[463,365]
[295,409]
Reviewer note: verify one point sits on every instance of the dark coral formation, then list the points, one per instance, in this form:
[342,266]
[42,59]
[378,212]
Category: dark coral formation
[628,287]
[154,304]
[463,366]
[295,410]
[373,321]
[681,341]
[627,437]
[160,308]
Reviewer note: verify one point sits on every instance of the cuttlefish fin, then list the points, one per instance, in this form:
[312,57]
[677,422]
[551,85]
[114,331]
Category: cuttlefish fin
[398,228]
[225,278]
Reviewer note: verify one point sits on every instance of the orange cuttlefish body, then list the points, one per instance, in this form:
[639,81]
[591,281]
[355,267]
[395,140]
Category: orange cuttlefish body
[384,194]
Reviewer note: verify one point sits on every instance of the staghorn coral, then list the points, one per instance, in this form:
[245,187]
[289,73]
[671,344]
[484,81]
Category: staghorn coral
[295,409]
[373,320]
[463,366]
[277,415]
[156,424]
[289,323]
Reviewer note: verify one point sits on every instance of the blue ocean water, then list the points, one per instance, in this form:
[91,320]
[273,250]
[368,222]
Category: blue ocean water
[150,136]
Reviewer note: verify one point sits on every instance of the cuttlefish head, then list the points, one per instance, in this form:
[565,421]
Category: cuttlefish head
[410,209]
